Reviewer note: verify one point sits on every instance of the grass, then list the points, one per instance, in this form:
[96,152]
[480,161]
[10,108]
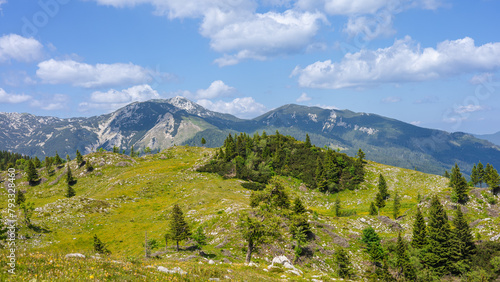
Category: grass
[120,203]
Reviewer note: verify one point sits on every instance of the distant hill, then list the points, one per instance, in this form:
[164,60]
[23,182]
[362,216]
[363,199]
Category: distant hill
[493,138]
[160,124]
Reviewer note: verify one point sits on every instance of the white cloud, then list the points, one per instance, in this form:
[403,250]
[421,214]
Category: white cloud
[13,98]
[468,109]
[92,76]
[114,99]
[216,89]
[245,107]
[370,27]
[56,102]
[481,78]
[328,107]
[391,99]
[16,47]
[404,61]
[303,98]
[417,122]
[1,3]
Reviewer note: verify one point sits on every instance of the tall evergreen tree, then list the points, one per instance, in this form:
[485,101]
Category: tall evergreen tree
[396,206]
[321,182]
[79,158]
[178,227]
[298,207]
[308,141]
[132,151]
[446,174]
[69,175]
[203,141]
[337,207]
[37,162]
[254,233]
[360,156]
[382,187]
[373,209]
[462,246]
[480,174]
[48,165]
[494,180]
[57,159]
[31,173]
[116,149]
[373,246]
[438,256]
[70,192]
[419,240]
[474,176]
[20,197]
[487,171]
[344,266]
[403,264]
[100,247]
[379,201]
[458,185]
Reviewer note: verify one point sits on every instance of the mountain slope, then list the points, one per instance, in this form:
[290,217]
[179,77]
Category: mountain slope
[493,138]
[159,124]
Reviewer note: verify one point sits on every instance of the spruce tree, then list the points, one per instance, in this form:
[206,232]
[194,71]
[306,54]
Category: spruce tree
[403,261]
[373,246]
[321,183]
[360,156]
[455,175]
[419,240]
[203,141]
[344,266]
[396,206]
[253,232]
[446,174]
[88,166]
[100,247]
[69,176]
[298,207]
[79,158]
[458,185]
[20,197]
[57,159]
[463,233]
[37,162]
[373,209]
[379,201]
[382,187]
[178,227]
[487,171]
[132,151]
[438,255]
[474,176]
[116,149]
[480,174]
[308,141]
[70,192]
[493,180]
[48,165]
[337,207]
[199,237]
[31,173]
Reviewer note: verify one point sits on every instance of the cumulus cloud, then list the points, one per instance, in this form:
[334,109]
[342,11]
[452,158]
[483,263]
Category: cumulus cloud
[245,107]
[404,61]
[16,47]
[303,98]
[93,76]
[468,109]
[56,102]
[13,98]
[217,89]
[114,99]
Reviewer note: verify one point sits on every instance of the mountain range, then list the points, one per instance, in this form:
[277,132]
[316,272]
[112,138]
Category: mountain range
[159,124]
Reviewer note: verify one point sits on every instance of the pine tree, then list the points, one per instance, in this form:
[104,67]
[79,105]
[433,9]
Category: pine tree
[382,187]
[487,171]
[178,228]
[69,175]
[463,233]
[37,162]
[100,247]
[298,207]
[48,165]
[419,240]
[455,175]
[373,246]
[344,266]
[203,141]
[459,186]
[132,151]
[57,159]
[31,173]
[308,141]
[360,155]
[474,176]
[116,149]
[79,158]
[20,197]
[379,201]
[396,206]
[88,166]
[494,180]
[337,207]
[403,261]
[70,192]
[480,174]
[438,254]
[321,183]
[446,174]
[373,209]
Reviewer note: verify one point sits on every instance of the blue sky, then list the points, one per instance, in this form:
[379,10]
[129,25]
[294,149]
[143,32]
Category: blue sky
[433,63]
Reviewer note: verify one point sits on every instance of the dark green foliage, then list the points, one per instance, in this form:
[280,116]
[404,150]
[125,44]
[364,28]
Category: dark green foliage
[459,186]
[379,201]
[132,151]
[438,256]
[373,209]
[462,244]
[474,176]
[396,206]
[446,174]
[493,179]
[20,197]
[37,162]
[259,158]
[272,198]
[308,141]
[100,247]
[382,187]
[28,209]
[31,173]
[336,207]
[48,165]
[255,230]
[116,150]
[178,228]
[57,159]
[343,263]
[8,159]
[199,237]
[484,258]
[300,236]
[480,174]
[203,141]
[88,166]
[419,240]
[79,158]
[403,265]
[255,186]
[298,207]
[373,246]
[70,192]
[69,176]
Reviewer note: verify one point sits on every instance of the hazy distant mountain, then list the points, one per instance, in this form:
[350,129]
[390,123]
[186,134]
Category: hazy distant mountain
[493,138]
[163,123]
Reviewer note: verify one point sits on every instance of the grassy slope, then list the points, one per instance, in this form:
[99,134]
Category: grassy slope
[123,198]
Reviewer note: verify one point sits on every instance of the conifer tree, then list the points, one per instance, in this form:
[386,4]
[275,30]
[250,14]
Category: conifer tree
[116,149]
[480,174]
[253,232]
[31,173]
[68,159]
[360,155]
[79,158]
[69,175]
[373,246]
[382,187]
[474,176]
[487,171]
[88,166]
[458,185]
[419,240]
[462,246]
[48,165]
[446,174]
[403,261]
[494,180]
[373,209]
[132,151]
[438,256]
[100,247]
[178,227]
[455,175]
[308,141]
[344,266]
[337,207]
[379,202]
[203,141]
[199,237]
[321,183]
[70,192]
[37,162]
[396,206]
[20,197]
[298,207]
[57,159]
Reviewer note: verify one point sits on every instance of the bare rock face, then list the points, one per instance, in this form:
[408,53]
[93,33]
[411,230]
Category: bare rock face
[392,224]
